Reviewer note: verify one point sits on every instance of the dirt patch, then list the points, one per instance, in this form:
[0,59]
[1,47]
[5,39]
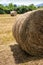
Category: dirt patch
[13,55]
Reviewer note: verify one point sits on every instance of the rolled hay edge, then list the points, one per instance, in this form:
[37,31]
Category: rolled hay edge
[13,13]
[28,32]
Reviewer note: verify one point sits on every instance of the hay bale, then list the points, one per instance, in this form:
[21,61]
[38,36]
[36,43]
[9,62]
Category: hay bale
[28,32]
[13,13]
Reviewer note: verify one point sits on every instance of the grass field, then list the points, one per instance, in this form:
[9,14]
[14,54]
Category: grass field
[6,24]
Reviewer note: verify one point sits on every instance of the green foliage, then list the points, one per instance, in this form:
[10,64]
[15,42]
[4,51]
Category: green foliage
[31,7]
[11,7]
[1,6]
[40,6]
[23,9]
[15,5]
[20,9]
[2,11]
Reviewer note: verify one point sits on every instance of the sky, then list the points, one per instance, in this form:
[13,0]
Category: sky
[21,2]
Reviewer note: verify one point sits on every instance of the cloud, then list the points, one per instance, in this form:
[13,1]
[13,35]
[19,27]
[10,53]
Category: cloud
[25,2]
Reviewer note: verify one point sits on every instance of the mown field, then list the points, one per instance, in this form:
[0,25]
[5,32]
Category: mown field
[12,54]
[6,24]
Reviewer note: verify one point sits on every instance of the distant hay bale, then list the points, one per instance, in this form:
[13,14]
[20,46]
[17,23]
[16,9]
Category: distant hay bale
[13,13]
[28,32]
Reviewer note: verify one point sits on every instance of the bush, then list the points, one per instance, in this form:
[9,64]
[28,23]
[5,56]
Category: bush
[21,9]
[31,7]
[2,11]
[7,11]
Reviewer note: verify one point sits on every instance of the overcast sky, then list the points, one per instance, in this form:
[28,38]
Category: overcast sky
[21,2]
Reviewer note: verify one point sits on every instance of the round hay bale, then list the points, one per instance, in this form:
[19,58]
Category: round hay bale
[13,13]
[28,32]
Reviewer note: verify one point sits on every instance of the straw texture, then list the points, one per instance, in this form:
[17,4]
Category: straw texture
[28,32]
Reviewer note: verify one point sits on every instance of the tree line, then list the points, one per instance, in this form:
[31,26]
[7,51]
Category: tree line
[13,7]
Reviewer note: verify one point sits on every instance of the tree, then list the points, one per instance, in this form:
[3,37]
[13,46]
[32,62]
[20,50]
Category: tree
[2,11]
[15,5]
[11,7]
[22,9]
[31,7]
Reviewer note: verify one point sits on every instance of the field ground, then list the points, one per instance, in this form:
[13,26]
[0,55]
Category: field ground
[12,54]
[6,24]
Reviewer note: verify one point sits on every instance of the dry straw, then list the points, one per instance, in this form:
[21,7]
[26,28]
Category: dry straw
[13,13]
[28,32]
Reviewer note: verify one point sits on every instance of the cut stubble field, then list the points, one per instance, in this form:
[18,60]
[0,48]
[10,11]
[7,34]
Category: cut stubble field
[10,52]
[6,24]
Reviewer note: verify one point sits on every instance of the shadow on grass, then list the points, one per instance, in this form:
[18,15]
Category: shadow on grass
[22,57]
